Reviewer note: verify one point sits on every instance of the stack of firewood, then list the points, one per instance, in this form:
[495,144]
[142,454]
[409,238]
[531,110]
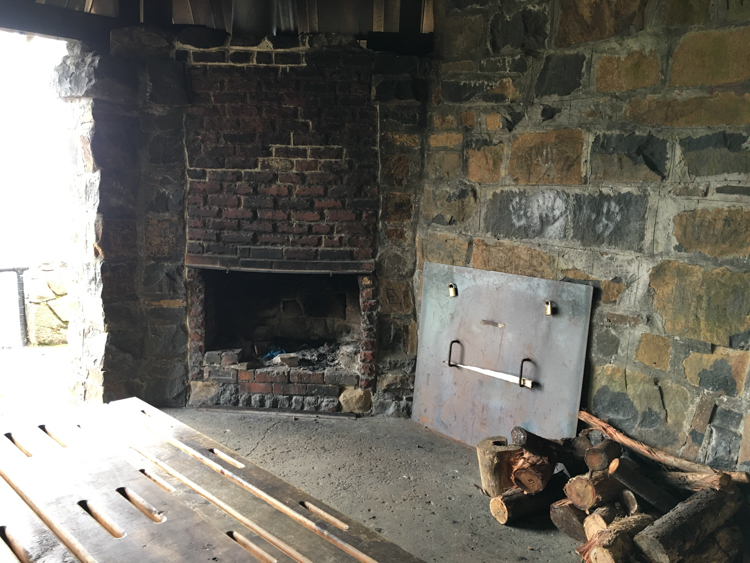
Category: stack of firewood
[619,509]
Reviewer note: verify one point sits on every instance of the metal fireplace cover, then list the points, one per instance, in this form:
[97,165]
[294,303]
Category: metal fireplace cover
[499,320]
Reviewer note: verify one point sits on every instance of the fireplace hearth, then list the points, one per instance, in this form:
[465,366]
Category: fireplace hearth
[281,340]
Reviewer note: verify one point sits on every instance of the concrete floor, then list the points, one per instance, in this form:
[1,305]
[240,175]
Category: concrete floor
[415,487]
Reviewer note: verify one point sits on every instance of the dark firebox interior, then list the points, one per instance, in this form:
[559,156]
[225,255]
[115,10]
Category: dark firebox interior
[288,311]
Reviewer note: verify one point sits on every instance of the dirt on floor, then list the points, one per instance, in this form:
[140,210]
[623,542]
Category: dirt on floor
[416,487]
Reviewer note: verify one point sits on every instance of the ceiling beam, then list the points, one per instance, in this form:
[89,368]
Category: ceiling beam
[52,21]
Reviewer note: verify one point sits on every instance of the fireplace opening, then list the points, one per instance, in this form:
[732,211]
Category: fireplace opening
[266,312]
[280,340]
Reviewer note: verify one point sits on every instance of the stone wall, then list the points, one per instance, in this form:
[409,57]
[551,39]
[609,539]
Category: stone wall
[47,303]
[605,142]
[133,334]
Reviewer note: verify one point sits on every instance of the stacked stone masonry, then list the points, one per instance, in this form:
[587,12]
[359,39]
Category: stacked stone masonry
[591,141]
[606,143]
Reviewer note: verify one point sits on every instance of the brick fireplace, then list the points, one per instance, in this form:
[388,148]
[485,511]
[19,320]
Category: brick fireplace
[282,209]
[281,340]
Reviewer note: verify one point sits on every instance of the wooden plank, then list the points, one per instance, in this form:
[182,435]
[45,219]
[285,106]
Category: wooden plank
[312,16]
[378,15]
[30,535]
[410,16]
[56,484]
[288,536]
[202,12]
[266,487]
[391,15]
[182,13]
[29,17]
[126,482]
[303,25]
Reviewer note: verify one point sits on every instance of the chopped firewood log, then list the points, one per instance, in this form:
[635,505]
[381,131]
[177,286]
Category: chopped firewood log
[691,481]
[600,456]
[630,502]
[514,505]
[615,544]
[722,547]
[626,472]
[673,536]
[568,519]
[531,473]
[580,445]
[495,464]
[550,449]
[601,518]
[587,492]
[654,454]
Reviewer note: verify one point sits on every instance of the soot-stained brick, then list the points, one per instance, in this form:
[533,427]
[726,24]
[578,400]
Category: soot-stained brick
[724,449]
[518,214]
[561,75]
[617,408]
[719,378]
[525,30]
[640,149]
[616,221]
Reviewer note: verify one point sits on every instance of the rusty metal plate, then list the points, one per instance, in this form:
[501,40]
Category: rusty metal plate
[499,319]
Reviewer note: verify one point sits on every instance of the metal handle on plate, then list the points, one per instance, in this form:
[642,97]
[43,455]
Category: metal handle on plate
[520,379]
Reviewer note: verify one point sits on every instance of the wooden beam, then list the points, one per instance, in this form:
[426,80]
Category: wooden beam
[41,19]
[410,18]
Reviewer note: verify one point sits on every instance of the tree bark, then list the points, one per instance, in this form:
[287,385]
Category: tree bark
[568,519]
[615,544]
[495,461]
[691,481]
[654,454]
[601,518]
[677,533]
[600,456]
[514,505]
[552,450]
[586,492]
[722,547]
[531,473]
[630,502]
[626,472]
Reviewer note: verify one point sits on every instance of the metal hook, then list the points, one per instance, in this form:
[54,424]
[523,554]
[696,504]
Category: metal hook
[450,353]
[520,375]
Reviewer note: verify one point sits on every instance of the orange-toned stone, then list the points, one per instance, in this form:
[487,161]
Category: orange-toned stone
[592,20]
[723,108]
[442,248]
[724,370]
[443,121]
[484,165]
[706,305]
[494,122]
[611,290]
[512,259]
[654,351]
[403,139]
[635,70]
[554,157]
[468,119]
[710,58]
[446,139]
[714,232]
